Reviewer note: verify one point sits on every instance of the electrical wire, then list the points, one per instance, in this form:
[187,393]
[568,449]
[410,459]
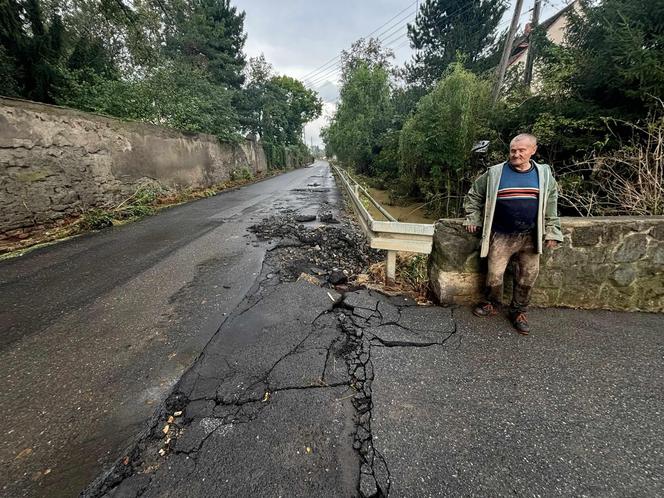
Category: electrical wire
[311,73]
[315,81]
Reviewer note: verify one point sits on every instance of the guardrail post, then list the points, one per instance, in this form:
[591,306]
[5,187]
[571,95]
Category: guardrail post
[356,189]
[391,266]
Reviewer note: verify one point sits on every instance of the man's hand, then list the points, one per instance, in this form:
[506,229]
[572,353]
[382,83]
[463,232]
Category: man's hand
[471,228]
[551,244]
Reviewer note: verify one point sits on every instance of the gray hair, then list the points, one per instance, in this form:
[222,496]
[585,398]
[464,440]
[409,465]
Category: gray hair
[525,136]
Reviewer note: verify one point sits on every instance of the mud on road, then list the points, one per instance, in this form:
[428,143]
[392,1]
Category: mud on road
[323,251]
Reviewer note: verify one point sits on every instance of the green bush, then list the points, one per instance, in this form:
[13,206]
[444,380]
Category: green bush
[134,211]
[96,219]
[175,95]
[281,156]
[241,174]
[436,141]
[363,116]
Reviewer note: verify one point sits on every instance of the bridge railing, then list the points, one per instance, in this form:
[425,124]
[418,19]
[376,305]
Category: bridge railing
[392,236]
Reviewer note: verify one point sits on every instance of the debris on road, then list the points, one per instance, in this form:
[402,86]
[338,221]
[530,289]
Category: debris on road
[334,253]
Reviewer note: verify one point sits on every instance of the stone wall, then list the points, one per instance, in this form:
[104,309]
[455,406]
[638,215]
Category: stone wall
[57,162]
[610,263]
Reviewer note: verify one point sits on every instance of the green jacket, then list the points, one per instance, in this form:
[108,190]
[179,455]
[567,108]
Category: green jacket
[480,205]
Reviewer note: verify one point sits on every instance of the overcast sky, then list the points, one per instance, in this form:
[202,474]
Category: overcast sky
[299,36]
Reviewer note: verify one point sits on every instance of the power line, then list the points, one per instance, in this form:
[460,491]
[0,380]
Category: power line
[337,61]
[404,10]
[331,70]
[394,37]
[393,34]
[403,44]
[324,77]
[320,79]
[311,73]
[400,23]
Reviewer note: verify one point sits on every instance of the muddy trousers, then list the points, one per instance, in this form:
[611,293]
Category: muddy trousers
[521,248]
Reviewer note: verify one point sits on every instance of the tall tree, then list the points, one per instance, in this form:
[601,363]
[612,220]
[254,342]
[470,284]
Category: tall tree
[363,116]
[436,141]
[445,29]
[365,51]
[296,105]
[276,107]
[33,46]
[618,52]
[210,33]
[251,102]
[12,46]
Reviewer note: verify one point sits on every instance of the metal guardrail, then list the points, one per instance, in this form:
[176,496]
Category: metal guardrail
[391,235]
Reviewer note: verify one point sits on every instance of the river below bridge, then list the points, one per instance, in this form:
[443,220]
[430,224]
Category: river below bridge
[410,213]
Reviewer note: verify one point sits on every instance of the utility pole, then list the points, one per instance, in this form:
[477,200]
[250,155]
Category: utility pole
[528,76]
[507,49]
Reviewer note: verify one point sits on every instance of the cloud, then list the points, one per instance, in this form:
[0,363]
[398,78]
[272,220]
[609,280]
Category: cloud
[312,128]
[298,36]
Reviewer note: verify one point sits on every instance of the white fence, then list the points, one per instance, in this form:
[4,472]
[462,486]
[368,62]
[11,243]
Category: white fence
[391,235]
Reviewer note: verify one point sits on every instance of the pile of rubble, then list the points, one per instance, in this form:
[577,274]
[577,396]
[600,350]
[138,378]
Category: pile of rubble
[328,254]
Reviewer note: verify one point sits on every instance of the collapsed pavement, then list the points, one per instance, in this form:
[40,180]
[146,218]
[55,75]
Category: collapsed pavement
[325,250]
[279,402]
[310,388]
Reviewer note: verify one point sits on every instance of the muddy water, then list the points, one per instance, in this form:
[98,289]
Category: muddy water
[411,213]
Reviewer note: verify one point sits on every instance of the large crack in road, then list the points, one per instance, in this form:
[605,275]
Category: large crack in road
[341,391]
[288,347]
[308,389]
[370,321]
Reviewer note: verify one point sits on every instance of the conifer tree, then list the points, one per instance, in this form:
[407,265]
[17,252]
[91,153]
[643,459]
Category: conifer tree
[446,29]
[210,34]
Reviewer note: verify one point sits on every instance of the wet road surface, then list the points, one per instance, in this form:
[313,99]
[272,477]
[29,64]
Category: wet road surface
[304,392]
[300,391]
[95,331]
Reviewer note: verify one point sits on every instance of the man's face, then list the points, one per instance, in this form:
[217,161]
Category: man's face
[520,153]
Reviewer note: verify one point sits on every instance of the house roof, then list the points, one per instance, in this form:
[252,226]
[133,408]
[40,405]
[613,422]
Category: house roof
[520,44]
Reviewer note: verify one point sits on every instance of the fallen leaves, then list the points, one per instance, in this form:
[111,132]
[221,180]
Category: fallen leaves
[171,430]
[309,278]
[23,453]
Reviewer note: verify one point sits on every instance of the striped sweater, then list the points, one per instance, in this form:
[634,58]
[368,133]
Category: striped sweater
[517,201]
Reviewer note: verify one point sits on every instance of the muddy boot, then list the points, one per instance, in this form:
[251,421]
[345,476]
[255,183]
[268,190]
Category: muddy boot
[520,323]
[485,309]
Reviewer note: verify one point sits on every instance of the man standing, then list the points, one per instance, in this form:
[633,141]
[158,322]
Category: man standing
[516,206]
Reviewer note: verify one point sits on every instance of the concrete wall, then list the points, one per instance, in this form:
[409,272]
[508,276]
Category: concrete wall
[611,263]
[57,162]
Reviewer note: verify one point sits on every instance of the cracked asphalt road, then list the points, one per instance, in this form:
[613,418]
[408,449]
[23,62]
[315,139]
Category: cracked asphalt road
[576,409]
[95,331]
[307,392]
[304,391]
